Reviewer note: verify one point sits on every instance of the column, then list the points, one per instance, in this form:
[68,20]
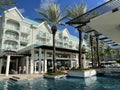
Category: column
[27,64]
[8,65]
[0,65]
[71,64]
[40,60]
[17,64]
[32,62]
[45,61]
[45,64]
[76,60]
[84,61]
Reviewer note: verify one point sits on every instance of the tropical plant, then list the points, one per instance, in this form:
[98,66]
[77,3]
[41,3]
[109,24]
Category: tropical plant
[73,13]
[4,4]
[110,52]
[53,16]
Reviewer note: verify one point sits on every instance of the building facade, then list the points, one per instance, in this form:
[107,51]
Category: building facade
[24,42]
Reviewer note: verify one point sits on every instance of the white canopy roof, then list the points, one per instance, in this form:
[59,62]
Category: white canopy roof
[108,24]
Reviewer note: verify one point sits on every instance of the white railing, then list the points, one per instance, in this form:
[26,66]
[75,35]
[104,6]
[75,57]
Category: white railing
[12,27]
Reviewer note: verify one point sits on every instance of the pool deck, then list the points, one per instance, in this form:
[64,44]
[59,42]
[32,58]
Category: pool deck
[21,76]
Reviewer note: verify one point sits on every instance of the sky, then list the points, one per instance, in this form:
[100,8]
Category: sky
[27,8]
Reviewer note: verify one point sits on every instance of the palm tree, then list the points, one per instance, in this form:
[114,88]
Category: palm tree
[4,4]
[53,16]
[73,13]
[110,52]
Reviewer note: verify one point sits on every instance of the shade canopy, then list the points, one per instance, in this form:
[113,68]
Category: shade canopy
[105,19]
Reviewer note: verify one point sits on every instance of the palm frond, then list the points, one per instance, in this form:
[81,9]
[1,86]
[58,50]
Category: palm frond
[7,2]
[62,18]
[76,11]
[41,13]
[41,19]
[52,13]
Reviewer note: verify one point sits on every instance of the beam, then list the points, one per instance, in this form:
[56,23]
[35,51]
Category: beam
[96,35]
[108,41]
[103,38]
[90,31]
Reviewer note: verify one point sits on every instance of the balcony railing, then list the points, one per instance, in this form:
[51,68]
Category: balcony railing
[11,37]
[66,40]
[44,43]
[11,47]
[11,28]
[24,40]
[44,35]
[59,40]
[25,31]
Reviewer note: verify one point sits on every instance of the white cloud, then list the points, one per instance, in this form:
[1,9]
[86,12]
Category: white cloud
[22,10]
[105,0]
[47,2]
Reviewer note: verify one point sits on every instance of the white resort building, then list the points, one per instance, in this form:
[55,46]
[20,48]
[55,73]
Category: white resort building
[24,42]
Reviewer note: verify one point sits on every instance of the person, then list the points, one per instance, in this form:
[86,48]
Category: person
[24,69]
[19,70]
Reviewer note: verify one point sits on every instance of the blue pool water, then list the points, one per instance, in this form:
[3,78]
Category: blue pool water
[94,83]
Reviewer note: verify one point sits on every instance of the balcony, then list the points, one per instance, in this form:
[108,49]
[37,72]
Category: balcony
[14,48]
[44,35]
[12,28]
[60,40]
[24,41]
[71,44]
[27,32]
[66,41]
[44,43]
[13,38]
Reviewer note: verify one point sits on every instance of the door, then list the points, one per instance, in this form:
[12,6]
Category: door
[36,66]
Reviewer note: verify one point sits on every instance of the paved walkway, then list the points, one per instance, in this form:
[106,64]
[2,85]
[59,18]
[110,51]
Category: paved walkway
[21,76]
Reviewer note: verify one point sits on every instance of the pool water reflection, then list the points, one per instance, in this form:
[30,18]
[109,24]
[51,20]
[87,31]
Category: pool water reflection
[93,83]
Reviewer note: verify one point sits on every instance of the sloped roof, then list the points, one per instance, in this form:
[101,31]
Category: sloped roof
[31,21]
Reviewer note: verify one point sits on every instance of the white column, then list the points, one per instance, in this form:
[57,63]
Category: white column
[77,64]
[84,61]
[0,65]
[71,64]
[45,65]
[8,65]
[40,60]
[32,62]
[45,62]
[27,64]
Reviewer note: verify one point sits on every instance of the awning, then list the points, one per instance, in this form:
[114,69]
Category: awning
[57,49]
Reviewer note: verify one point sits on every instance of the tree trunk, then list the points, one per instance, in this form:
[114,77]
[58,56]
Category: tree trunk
[80,45]
[54,29]
[91,42]
[97,43]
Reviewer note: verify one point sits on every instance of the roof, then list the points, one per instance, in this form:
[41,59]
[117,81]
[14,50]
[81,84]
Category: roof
[74,37]
[14,8]
[71,36]
[31,21]
[57,48]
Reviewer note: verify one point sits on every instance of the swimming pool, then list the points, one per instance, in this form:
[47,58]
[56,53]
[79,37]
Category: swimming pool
[94,83]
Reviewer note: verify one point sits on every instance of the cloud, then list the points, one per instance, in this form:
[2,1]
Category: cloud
[22,10]
[105,0]
[47,2]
